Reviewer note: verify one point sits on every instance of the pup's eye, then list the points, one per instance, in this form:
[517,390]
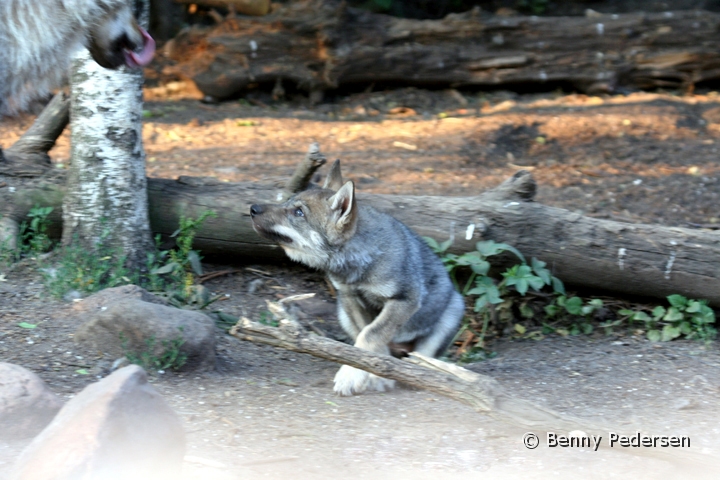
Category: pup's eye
[299,212]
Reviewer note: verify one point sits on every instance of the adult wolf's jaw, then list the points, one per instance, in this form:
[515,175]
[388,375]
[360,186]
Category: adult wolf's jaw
[142,58]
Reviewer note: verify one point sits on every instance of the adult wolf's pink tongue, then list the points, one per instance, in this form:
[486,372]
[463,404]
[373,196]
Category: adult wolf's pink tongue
[145,55]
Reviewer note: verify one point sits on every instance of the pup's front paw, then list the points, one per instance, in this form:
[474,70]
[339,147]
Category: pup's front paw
[349,380]
[379,383]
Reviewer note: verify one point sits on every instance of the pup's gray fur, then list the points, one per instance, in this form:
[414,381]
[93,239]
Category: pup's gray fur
[392,289]
[38,38]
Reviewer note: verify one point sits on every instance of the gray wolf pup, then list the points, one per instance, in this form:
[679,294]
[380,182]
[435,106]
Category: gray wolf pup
[38,37]
[392,289]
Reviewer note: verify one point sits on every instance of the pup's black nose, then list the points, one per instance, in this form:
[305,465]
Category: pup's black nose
[256,210]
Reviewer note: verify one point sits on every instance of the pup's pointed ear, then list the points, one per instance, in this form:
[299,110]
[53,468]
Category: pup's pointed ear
[344,209]
[334,179]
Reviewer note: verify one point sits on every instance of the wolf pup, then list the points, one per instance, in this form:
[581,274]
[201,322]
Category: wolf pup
[391,288]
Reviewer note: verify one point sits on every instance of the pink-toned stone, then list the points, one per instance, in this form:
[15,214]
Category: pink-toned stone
[119,428]
[26,404]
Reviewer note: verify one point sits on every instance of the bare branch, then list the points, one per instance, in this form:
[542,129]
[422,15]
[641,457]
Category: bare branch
[29,155]
[305,170]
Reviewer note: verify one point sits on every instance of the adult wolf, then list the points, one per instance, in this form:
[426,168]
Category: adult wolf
[392,289]
[38,38]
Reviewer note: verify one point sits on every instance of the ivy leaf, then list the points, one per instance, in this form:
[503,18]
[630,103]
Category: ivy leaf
[677,301]
[521,276]
[538,267]
[471,258]
[685,328]
[673,315]
[669,332]
[29,326]
[481,268]
[489,248]
[167,268]
[654,335]
[432,243]
[195,264]
[573,305]
[693,306]
[446,244]
[551,310]
[558,286]
[658,312]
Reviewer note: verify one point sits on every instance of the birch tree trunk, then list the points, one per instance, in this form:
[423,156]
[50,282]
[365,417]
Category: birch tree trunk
[106,199]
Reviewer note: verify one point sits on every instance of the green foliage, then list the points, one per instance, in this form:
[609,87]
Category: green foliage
[169,272]
[576,312]
[33,236]
[174,270]
[533,7]
[169,358]
[525,295]
[494,300]
[267,318]
[684,316]
[76,270]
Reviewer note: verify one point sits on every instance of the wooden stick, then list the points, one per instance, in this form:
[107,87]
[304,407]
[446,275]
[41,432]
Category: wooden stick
[481,392]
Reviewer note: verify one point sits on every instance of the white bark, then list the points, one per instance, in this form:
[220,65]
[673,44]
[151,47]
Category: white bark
[107,191]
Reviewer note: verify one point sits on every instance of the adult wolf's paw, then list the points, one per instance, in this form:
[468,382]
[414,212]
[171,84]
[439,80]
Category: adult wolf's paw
[349,380]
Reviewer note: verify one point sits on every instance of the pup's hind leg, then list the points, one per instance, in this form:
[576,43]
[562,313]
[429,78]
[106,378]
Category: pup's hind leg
[438,340]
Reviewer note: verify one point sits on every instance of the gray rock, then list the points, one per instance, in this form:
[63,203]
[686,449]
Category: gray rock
[26,404]
[104,298]
[127,325]
[119,428]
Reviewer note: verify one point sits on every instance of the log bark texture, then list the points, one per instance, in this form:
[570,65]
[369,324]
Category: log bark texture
[629,259]
[324,44]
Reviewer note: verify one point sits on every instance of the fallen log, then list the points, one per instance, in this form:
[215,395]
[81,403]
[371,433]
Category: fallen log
[629,259]
[320,45]
[245,7]
[481,392]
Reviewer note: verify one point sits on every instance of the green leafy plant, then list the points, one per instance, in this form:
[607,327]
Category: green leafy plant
[170,356]
[684,317]
[495,300]
[579,313]
[33,234]
[74,269]
[525,295]
[176,269]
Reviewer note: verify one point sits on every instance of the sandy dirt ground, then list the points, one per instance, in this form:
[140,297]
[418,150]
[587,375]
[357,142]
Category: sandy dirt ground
[267,413]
